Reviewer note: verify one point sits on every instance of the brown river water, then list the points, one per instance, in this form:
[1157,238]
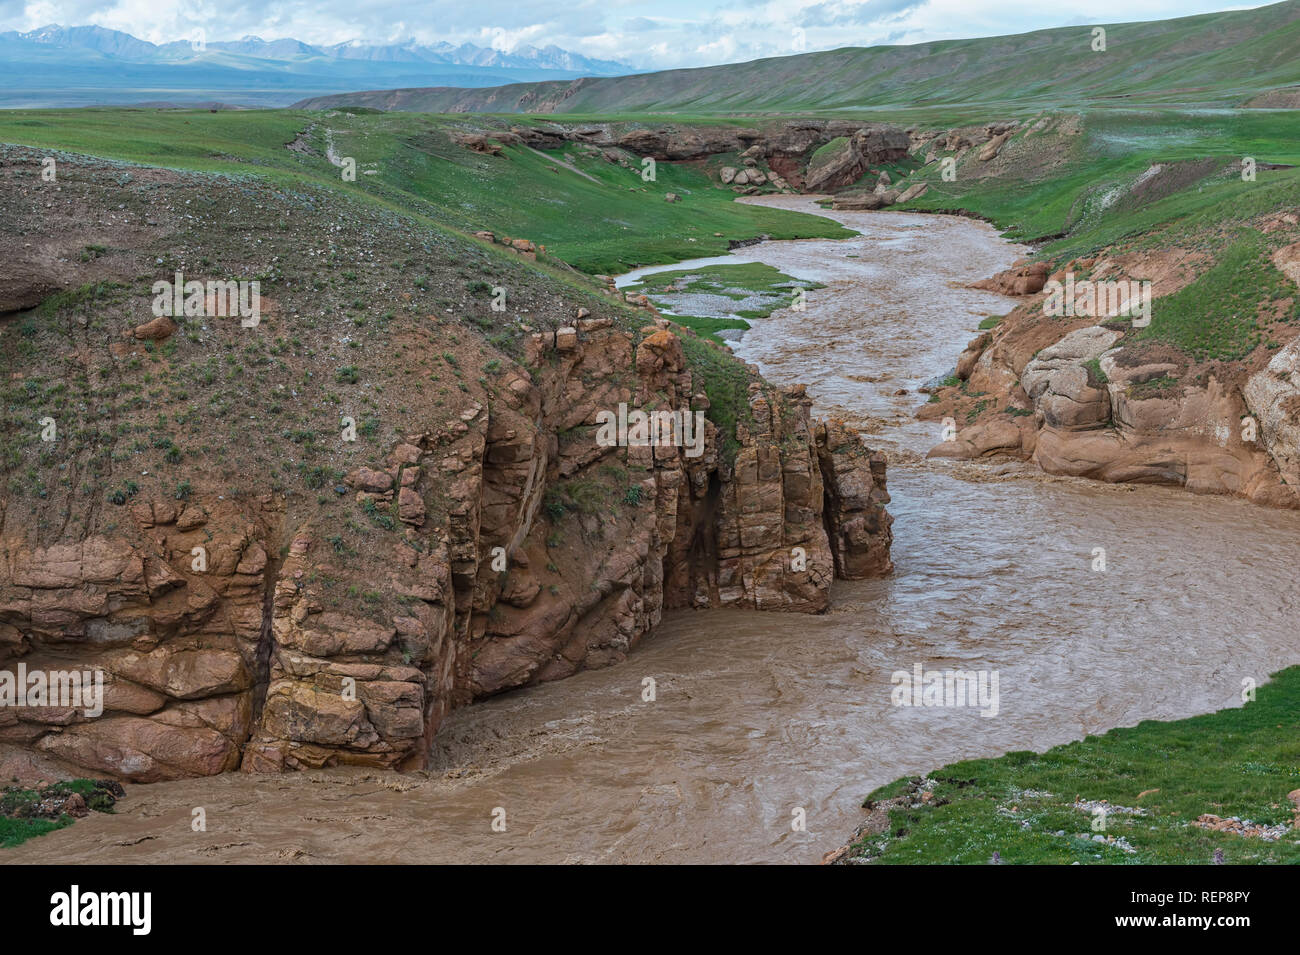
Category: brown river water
[760,715]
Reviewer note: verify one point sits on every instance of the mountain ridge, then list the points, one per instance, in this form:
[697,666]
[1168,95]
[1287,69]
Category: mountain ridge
[56,66]
[1216,59]
[123,45]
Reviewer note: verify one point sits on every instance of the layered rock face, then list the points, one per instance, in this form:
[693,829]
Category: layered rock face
[862,148]
[1092,400]
[775,153]
[787,139]
[213,620]
[175,651]
[1273,395]
[745,526]
[1124,425]
[857,523]
[299,543]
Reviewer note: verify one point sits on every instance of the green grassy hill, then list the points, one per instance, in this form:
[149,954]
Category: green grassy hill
[1117,181]
[594,215]
[1222,59]
[1150,794]
[1074,191]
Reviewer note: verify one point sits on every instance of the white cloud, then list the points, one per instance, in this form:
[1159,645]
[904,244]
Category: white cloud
[646,33]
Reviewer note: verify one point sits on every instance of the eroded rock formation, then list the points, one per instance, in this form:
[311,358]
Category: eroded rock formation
[1089,397]
[850,160]
[214,622]
[773,153]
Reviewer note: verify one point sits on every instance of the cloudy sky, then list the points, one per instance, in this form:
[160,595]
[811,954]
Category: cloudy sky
[648,34]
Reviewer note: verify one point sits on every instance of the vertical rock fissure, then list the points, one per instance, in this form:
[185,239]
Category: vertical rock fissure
[704,548]
[265,643]
[828,522]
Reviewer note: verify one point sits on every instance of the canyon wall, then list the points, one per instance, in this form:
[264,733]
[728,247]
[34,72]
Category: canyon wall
[778,151]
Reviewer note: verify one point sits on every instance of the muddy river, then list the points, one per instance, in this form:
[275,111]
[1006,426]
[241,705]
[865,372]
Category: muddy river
[760,719]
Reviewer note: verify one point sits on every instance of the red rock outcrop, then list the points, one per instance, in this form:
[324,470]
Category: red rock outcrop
[214,623]
[1088,400]
[1026,279]
[712,530]
[862,149]
[856,520]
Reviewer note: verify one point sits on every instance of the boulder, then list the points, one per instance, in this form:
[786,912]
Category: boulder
[1027,279]
[990,149]
[369,480]
[142,750]
[858,203]
[914,191]
[155,330]
[410,507]
[300,712]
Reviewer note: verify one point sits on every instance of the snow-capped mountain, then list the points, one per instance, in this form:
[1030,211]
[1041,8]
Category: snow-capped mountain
[87,66]
[123,46]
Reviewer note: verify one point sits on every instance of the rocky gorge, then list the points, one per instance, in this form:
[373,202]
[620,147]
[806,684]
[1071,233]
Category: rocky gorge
[287,601]
[807,155]
[759,714]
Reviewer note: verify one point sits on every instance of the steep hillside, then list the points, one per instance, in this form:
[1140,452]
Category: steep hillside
[298,542]
[1219,59]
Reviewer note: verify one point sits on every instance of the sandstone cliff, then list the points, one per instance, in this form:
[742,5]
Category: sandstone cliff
[1100,398]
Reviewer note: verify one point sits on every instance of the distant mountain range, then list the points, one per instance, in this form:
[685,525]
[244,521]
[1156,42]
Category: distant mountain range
[90,65]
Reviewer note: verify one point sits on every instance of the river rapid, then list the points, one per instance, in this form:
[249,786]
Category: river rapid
[762,716]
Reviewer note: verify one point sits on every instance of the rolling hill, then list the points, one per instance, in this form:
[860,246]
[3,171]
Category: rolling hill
[1216,59]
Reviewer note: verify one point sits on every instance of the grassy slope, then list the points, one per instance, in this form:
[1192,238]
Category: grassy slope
[607,225]
[1217,58]
[1114,147]
[348,328]
[1072,212]
[1238,762]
